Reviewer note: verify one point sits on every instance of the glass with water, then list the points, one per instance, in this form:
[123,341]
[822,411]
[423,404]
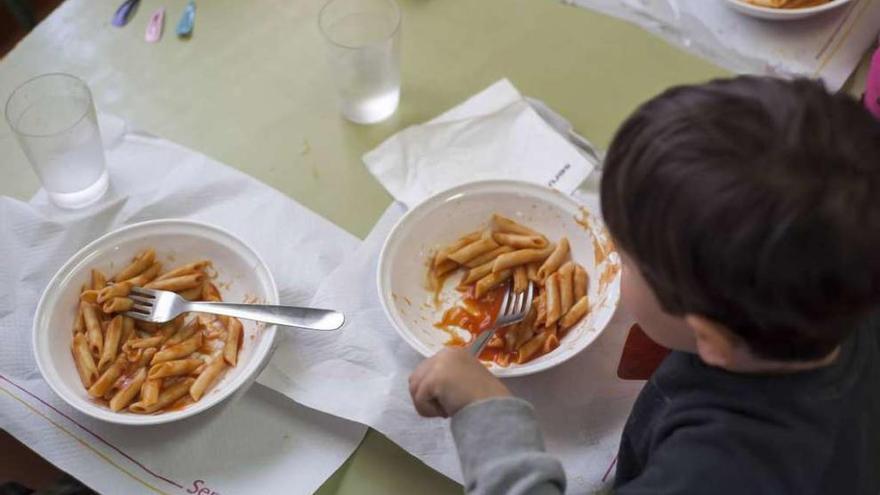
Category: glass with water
[363,47]
[53,118]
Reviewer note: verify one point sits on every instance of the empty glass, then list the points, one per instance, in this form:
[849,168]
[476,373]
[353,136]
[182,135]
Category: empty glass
[53,118]
[363,47]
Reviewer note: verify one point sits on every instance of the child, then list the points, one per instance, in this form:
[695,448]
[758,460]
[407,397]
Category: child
[747,215]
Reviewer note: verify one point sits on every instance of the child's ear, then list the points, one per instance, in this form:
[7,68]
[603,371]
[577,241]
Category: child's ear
[716,345]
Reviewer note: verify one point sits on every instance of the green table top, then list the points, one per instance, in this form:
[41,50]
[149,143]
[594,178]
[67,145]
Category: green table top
[251,89]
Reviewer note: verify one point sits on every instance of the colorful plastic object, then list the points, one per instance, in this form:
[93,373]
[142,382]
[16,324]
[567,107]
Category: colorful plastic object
[154,27]
[185,26]
[123,13]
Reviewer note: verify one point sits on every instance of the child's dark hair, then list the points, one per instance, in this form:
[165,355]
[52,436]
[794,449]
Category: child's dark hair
[754,202]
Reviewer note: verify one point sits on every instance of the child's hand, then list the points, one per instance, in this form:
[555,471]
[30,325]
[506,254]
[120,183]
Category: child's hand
[450,380]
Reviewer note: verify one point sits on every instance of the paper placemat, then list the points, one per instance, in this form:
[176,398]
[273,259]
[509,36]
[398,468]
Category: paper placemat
[827,46]
[259,443]
[361,374]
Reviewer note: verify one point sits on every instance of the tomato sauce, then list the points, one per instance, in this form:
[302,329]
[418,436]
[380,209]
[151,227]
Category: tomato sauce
[475,316]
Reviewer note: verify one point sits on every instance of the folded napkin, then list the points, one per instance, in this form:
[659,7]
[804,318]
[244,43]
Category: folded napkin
[259,443]
[496,134]
[581,405]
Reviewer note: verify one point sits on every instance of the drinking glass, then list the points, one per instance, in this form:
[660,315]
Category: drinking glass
[53,118]
[363,48]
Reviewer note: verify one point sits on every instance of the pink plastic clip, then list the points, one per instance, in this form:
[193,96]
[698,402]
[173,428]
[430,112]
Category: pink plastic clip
[154,27]
[872,86]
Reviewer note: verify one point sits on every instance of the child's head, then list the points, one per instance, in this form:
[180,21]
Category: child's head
[748,210]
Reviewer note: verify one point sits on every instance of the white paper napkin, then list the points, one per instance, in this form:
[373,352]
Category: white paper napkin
[496,134]
[361,373]
[827,46]
[260,443]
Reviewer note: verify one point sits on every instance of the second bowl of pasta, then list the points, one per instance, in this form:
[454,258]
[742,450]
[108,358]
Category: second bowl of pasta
[121,370]
[446,264]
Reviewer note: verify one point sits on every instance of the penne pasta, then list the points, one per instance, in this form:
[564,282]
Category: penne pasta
[576,312]
[443,254]
[139,367]
[121,289]
[234,336]
[209,292]
[521,257]
[179,350]
[111,342]
[186,269]
[552,340]
[445,267]
[98,280]
[140,263]
[145,342]
[144,278]
[93,328]
[127,330]
[105,382]
[182,282]
[79,324]
[492,257]
[555,260]
[530,348]
[194,294]
[207,377]
[142,358]
[581,282]
[183,333]
[489,281]
[147,326]
[520,241]
[541,305]
[137,266]
[487,257]
[89,295]
[553,306]
[168,396]
[117,305]
[520,279]
[472,250]
[501,223]
[82,357]
[532,270]
[150,391]
[566,287]
[174,368]
[128,391]
[477,273]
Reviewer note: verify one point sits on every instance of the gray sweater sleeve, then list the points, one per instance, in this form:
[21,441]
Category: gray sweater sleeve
[501,450]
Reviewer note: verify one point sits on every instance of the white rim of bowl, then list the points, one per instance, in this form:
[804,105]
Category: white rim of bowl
[803,11]
[154,419]
[510,372]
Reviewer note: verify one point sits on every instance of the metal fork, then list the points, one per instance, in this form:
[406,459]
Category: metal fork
[514,308]
[159,306]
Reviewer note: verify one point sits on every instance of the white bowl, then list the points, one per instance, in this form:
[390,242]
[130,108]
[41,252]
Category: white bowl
[242,276]
[783,14]
[448,215]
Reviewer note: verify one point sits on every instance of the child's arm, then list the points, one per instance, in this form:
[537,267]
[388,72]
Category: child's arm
[499,444]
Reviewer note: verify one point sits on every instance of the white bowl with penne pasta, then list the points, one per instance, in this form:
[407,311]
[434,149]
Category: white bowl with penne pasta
[121,370]
[445,265]
[784,10]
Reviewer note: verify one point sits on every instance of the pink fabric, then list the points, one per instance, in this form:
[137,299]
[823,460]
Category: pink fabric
[872,87]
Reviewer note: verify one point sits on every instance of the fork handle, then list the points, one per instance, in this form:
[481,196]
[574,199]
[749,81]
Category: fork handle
[480,342]
[289,316]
